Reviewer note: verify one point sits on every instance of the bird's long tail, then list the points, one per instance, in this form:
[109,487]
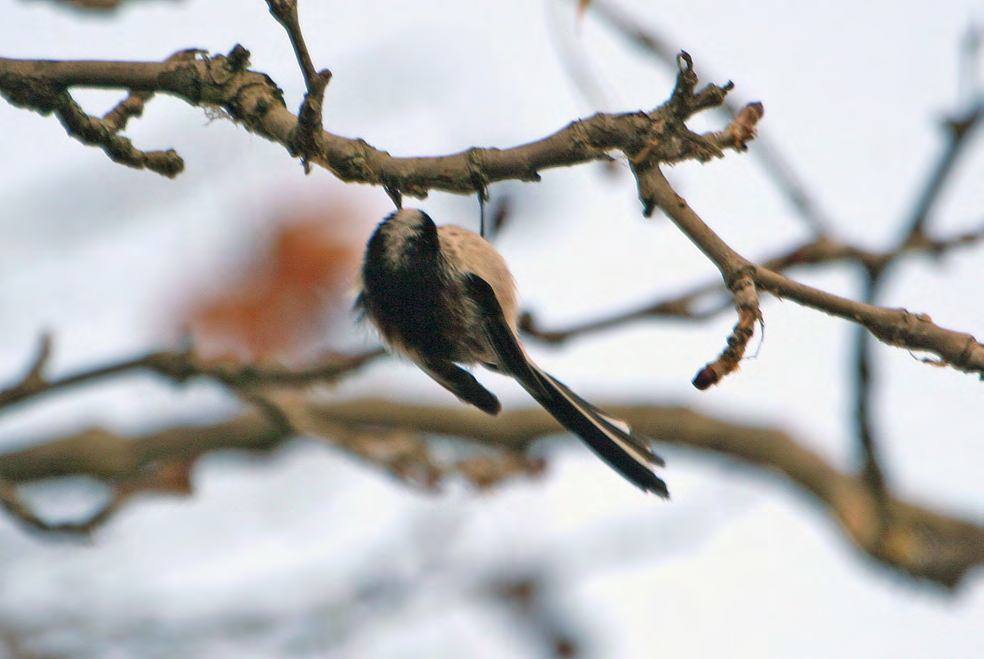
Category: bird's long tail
[609,438]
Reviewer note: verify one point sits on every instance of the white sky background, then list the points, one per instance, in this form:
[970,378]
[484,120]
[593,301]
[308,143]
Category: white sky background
[737,565]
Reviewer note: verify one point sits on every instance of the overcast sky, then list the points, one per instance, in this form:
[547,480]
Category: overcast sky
[738,564]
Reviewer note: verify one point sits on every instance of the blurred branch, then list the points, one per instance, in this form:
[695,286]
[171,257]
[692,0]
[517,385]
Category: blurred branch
[701,302]
[531,600]
[917,541]
[180,366]
[95,5]
[958,133]
[864,417]
[109,457]
[11,501]
[959,130]
[159,462]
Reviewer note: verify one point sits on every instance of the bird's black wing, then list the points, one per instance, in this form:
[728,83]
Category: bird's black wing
[462,384]
[623,452]
[450,376]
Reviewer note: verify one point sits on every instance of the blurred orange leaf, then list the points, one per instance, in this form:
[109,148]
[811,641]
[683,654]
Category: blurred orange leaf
[281,306]
[582,7]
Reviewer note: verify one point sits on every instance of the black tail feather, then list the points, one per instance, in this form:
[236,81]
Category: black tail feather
[623,452]
[609,442]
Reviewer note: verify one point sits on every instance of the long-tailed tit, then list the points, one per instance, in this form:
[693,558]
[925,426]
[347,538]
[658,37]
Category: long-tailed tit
[444,296]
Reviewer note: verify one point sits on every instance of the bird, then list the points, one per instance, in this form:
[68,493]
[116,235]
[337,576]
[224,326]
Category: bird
[442,296]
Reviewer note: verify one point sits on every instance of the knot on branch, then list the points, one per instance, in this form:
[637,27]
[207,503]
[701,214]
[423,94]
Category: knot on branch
[667,137]
[476,171]
[684,103]
[238,58]
[901,327]
[306,139]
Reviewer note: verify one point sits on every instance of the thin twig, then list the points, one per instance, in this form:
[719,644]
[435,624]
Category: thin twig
[871,463]
[14,505]
[959,130]
[749,313]
[130,107]
[304,141]
[285,11]
[180,366]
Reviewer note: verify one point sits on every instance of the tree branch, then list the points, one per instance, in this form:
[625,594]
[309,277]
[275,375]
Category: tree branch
[252,99]
[180,366]
[894,327]
[918,542]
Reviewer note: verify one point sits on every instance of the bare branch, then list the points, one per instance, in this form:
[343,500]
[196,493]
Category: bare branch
[875,274]
[285,11]
[305,139]
[894,327]
[252,99]
[96,132]
[180,366]
[47,97]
